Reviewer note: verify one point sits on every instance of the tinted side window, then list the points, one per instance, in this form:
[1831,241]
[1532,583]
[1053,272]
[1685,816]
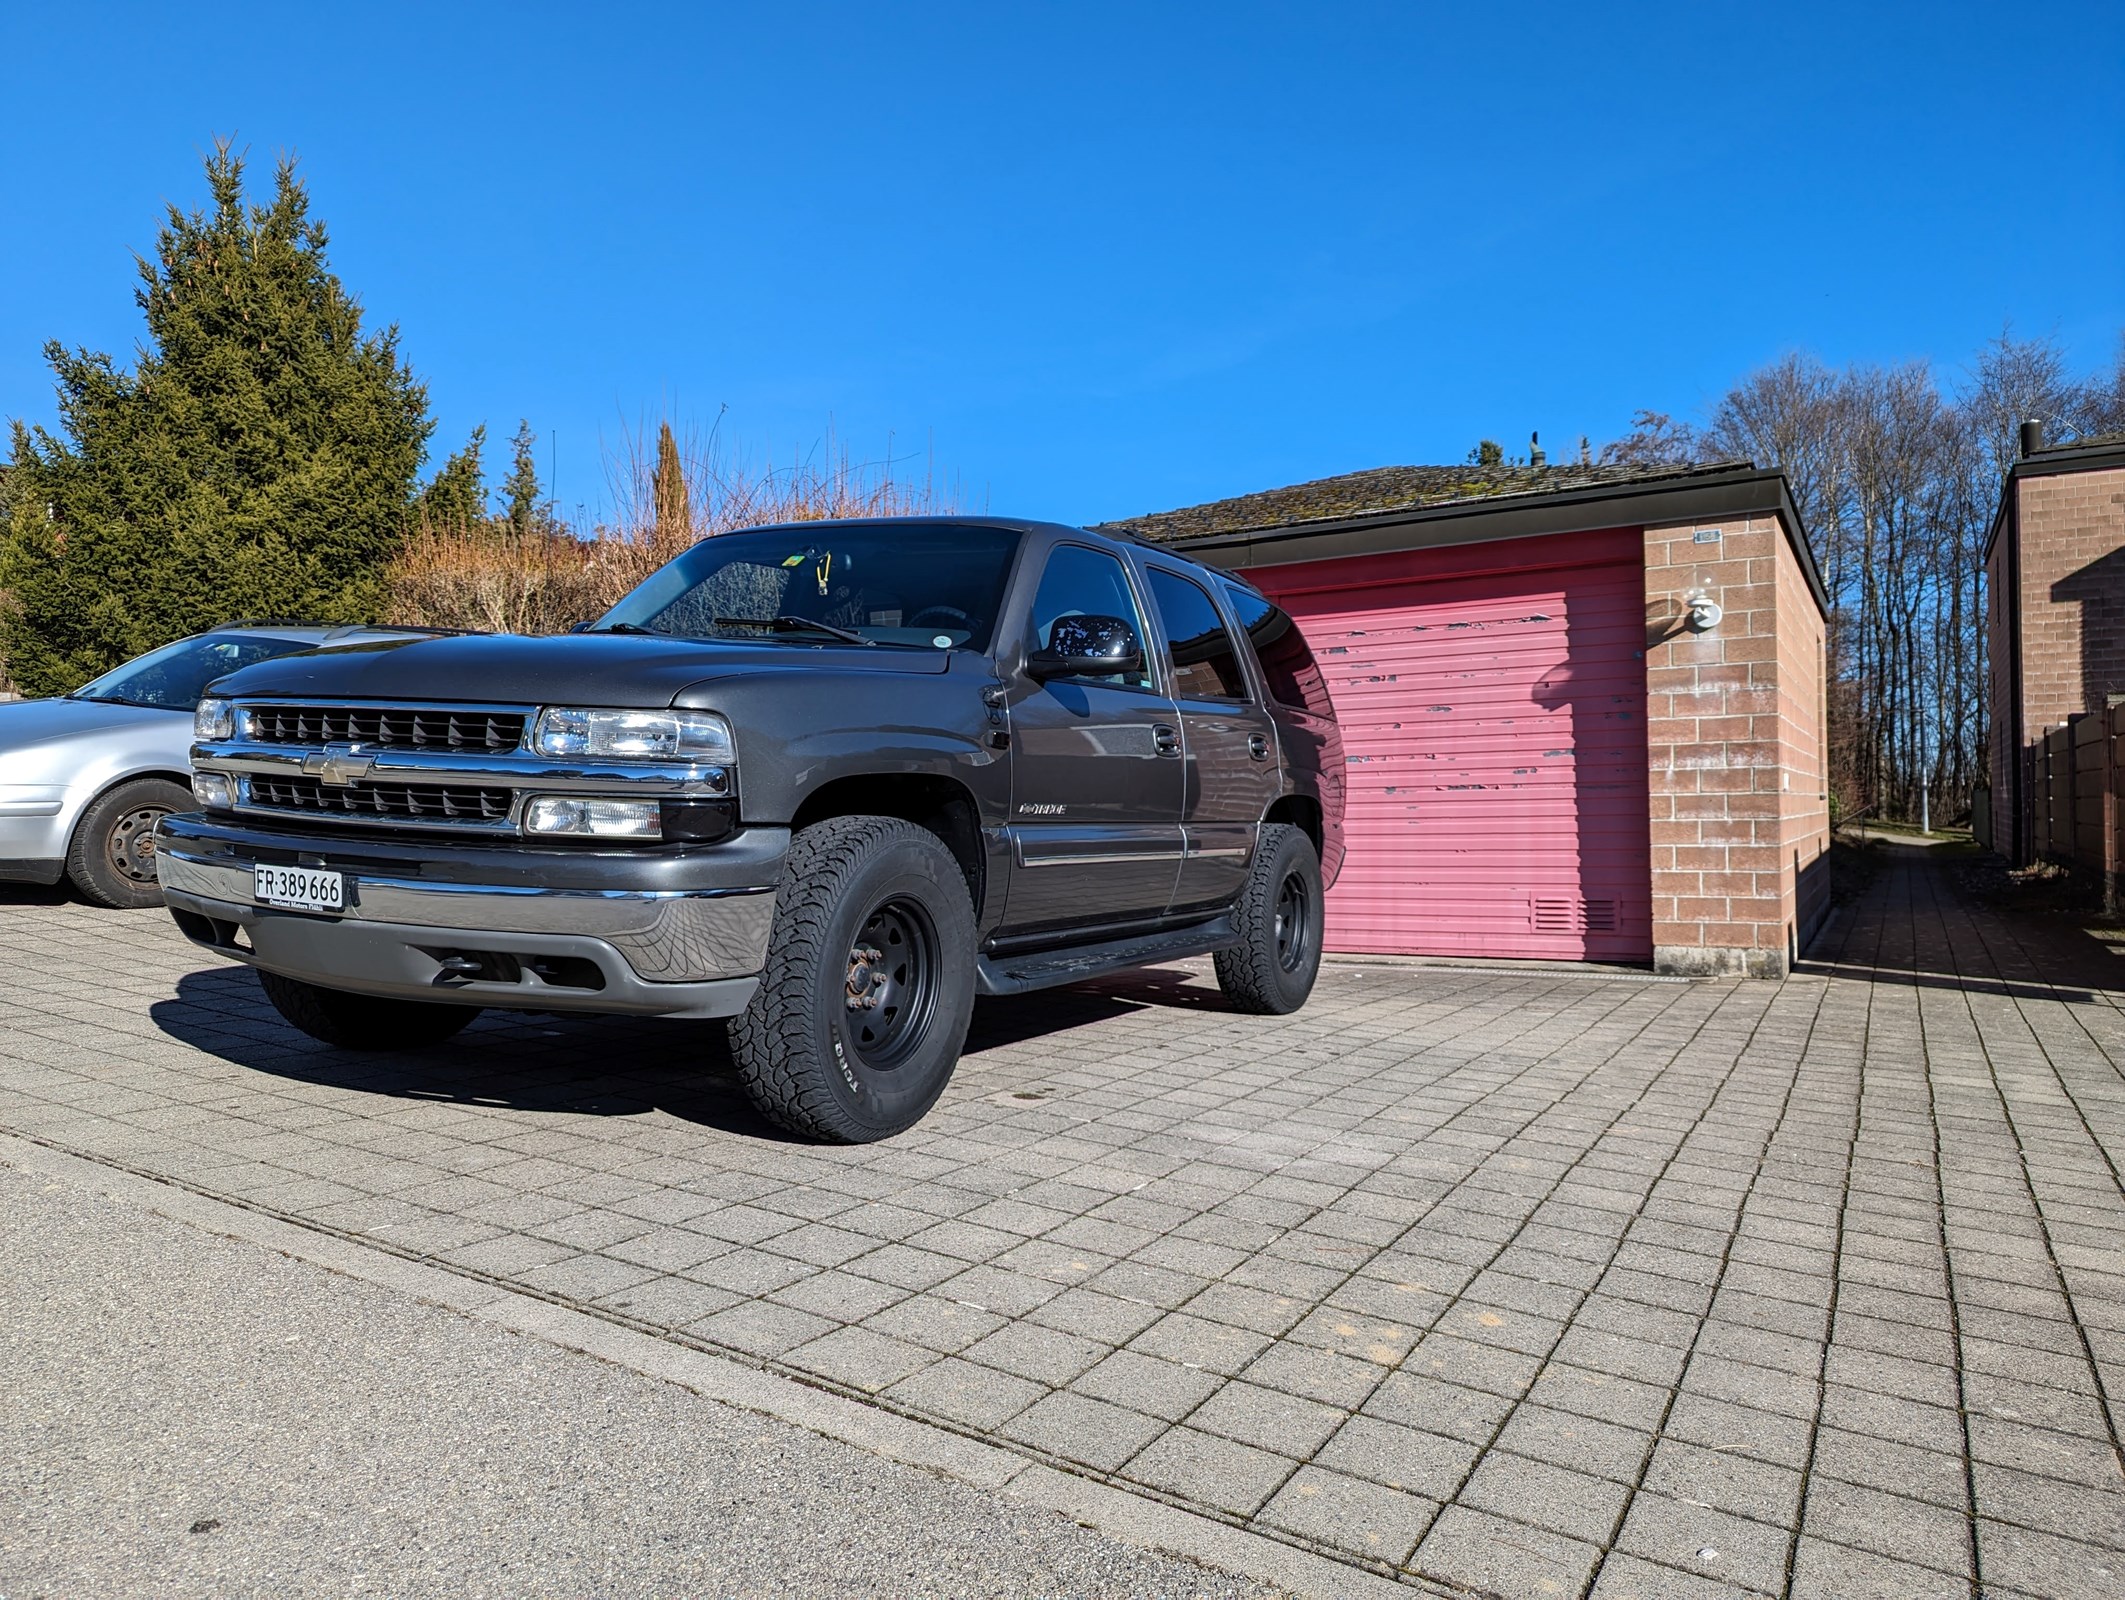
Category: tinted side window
[1206,663]
[1288,667]
[1084,582]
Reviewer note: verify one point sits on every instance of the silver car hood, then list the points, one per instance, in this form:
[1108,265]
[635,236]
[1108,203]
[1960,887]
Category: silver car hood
[39,739]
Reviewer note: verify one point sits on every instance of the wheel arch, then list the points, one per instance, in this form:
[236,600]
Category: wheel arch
[944,806]
[120,780]
[1300,811]
[183,780]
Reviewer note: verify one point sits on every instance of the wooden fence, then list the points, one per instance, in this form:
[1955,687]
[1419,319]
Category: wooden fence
[2075,807]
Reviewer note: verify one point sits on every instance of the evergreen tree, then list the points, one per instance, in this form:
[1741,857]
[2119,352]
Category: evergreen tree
[260,459]
[668,492]
[456,497]
[523,485]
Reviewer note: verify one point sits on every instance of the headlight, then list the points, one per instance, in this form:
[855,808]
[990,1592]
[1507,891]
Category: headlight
[634,735]
[214,720]
[568,817]
[214,790]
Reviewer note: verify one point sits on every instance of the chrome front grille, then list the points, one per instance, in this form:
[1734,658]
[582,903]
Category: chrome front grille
[439,728]
[420,804]
[436,767]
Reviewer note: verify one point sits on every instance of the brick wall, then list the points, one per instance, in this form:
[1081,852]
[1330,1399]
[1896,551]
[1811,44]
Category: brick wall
[2071,596]
[1735,718]
[2010,832]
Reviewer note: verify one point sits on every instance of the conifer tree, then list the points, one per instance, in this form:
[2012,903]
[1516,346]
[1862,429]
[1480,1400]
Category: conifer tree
[523,485]
[456,497]
[259,459]
[668,492]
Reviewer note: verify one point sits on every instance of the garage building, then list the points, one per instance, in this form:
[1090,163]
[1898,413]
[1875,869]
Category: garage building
[1550,753]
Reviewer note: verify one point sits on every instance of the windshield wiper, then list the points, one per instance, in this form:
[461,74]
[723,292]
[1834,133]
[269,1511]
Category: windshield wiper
[788,624]
[621,627]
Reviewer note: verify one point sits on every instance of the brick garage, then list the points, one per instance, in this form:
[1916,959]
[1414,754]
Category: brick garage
[2055,616]
[1545,758]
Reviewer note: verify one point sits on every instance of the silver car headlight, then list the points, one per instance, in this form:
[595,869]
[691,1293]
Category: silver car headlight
[571,732]
[214,720]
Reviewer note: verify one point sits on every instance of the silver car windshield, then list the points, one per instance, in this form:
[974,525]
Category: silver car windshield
[927,587]
[175,676]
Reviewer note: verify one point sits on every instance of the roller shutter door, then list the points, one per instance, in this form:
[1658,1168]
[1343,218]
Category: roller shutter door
[1494,726]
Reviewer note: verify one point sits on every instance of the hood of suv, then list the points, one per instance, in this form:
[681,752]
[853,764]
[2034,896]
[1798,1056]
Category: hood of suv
[597,669]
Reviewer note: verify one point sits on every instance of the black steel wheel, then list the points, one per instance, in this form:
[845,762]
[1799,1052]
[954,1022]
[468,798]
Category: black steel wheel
[869,982]
[1295,941]
[892,983]
[1278,916]
[112,858]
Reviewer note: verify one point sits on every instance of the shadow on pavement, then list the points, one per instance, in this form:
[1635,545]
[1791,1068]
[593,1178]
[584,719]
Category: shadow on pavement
[34,894]
[1956,918]
[600,1066]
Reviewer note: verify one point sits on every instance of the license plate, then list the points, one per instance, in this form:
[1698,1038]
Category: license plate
[298,888]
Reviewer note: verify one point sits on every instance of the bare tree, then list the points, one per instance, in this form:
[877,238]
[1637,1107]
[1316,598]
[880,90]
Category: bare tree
[2102,408]
[1787,414]
[1655,440]
[1897,485]
[2013,381]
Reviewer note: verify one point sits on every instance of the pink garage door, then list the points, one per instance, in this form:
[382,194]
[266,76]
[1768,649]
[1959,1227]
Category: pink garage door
[1492,699]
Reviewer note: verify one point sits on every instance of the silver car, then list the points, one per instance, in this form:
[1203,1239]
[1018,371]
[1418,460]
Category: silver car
[85,777]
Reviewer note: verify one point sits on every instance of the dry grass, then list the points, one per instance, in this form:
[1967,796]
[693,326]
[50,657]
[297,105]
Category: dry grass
[491,577]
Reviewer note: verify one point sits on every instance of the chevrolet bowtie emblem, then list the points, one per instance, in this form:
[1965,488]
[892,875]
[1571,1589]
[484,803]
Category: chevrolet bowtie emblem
[338,765]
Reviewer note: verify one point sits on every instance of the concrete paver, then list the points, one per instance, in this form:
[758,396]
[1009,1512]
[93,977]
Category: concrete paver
[1539,1282]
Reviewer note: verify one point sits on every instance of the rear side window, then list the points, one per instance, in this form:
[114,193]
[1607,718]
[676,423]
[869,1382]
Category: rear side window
[1288,667]
[1206,663]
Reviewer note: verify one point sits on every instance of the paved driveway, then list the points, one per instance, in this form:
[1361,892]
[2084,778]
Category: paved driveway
[1525,1283]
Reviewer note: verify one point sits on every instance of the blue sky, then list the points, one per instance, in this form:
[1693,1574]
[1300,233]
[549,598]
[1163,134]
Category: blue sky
[1100,259]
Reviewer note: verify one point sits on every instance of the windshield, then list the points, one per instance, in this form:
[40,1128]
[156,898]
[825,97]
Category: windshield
[176,676]
[924,587]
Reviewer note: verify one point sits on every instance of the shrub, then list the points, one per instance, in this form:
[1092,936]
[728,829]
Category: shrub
[516,574]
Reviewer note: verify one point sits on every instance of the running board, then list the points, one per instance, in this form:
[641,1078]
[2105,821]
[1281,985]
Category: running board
[1047,968]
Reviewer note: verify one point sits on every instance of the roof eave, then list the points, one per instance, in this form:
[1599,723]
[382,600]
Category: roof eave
[2104,457]
[1699,496]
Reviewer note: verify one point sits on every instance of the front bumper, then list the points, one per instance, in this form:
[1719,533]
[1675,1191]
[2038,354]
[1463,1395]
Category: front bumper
[36,822]
[653,933]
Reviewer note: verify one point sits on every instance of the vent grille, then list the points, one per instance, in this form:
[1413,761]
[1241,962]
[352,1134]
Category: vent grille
[420,803]
[387,727]
[1575,916]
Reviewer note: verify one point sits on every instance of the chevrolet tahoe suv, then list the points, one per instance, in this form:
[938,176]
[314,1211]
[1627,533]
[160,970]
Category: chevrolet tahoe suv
[829,781]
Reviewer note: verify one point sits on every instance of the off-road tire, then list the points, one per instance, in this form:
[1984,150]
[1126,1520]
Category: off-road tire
[360,1021]
[114,842]
[1264,973]
[799,1045]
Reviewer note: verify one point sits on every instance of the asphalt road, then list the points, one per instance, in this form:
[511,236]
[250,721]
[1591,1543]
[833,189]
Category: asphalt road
[183,1414]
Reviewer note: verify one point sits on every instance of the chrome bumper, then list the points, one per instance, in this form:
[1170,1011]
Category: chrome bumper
[655,952]
[670,936]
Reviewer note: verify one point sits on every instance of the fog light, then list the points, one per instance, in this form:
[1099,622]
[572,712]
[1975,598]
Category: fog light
[214,790]
[566,816]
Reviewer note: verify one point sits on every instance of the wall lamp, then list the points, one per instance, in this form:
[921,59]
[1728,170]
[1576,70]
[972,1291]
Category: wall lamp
[1701,613]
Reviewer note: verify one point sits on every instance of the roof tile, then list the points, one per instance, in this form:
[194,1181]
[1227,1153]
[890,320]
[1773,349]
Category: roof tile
[1381,489]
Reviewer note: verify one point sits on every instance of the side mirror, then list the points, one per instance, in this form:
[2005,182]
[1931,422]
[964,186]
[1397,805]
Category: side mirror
[1087,646]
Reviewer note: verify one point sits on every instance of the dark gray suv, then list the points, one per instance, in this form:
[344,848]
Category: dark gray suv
[828,780]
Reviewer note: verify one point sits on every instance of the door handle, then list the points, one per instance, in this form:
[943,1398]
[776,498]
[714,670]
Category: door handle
[1166,738]
[1258,746]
